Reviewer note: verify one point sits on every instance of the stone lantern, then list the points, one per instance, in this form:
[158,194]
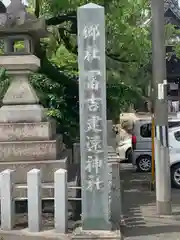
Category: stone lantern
[18,26]
[27,137]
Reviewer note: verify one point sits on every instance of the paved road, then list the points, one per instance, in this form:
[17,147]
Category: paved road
[139,206]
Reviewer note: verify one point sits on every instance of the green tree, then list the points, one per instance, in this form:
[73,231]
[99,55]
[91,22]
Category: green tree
[127,39]
[128,51]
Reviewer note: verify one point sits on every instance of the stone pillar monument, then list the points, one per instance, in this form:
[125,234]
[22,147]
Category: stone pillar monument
[93,124]
[95,172]
[27,137]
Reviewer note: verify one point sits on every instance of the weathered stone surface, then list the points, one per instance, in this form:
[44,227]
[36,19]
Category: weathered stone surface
[47,167]
[34,200]
[9,48]
[20,63]
[76,153]
[24,234]
[28,151]
[7,203]
[34,28]
[22,113]
[26,131]
[80,234]
[111,136]
[93,123]
[60,147]
[16,19]
[20,92]
[17,10]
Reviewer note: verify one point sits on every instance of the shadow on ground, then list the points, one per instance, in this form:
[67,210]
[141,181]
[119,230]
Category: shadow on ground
[139,207]
[150,231]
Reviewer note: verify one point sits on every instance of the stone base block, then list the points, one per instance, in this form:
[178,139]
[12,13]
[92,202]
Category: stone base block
[22,113]
[105,235]
[47,167]
[51,234]
[28,151]
[26,235]
[27,131]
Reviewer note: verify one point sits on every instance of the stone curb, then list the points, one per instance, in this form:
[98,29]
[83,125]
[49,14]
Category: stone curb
[52,235]
[25,235]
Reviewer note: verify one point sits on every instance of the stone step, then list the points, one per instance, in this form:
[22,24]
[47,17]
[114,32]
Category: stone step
[48,167]
[30,150]
[27,131]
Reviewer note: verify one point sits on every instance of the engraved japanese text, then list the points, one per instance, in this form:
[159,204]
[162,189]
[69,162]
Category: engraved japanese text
[91,31]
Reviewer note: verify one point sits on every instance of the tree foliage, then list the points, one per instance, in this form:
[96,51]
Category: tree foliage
[126,41]
[128,54]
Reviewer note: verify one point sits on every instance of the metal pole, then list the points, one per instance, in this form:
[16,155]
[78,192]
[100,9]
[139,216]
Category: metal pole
[163,185]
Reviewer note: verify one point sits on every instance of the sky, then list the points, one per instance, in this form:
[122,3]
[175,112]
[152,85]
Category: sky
[6,2]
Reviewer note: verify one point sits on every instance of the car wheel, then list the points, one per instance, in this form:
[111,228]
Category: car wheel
[144,163]
[128,155]
[175,175]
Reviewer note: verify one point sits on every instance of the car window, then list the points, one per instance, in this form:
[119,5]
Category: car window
[174,124]
[145,130]
[177,136]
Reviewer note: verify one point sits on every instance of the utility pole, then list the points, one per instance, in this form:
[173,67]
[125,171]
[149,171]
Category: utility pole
[162,166]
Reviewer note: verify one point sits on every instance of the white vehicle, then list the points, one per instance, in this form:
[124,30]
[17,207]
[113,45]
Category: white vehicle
[174,152]
[124,150]
[142,142]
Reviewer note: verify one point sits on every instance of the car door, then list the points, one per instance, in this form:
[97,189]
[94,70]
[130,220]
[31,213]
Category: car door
[174,146]
[175,141]
[144,136]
